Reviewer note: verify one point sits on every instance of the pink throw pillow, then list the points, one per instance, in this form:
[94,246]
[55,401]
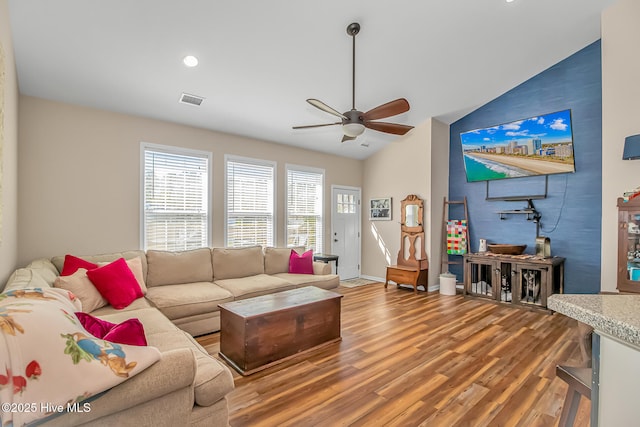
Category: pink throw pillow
[301,264]
[73,263]
[129,332]
[116,283]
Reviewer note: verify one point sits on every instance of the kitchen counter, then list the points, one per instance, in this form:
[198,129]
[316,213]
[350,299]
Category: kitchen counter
[616,353]
[615,315]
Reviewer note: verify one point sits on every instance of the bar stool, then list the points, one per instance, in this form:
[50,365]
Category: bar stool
[577,378]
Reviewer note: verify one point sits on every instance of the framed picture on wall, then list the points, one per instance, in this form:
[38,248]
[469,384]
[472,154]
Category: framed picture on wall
[380,209]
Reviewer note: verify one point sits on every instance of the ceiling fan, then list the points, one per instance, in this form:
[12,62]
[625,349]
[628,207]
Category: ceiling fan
[354,121]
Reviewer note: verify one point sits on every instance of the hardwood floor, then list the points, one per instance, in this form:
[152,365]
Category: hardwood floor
[417,360]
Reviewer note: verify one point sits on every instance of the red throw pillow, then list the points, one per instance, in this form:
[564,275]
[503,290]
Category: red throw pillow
[130,331]
[116,283]
[301,264]
[73,263]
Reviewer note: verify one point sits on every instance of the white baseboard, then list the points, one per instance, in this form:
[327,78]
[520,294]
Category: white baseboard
[372,278]
[431,288]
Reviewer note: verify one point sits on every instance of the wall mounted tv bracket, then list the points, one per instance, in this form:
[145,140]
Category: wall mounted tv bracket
[519,198]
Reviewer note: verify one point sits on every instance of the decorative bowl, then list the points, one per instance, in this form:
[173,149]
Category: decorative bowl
[505,249]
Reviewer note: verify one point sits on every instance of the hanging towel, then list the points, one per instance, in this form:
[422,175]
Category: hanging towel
[457,236]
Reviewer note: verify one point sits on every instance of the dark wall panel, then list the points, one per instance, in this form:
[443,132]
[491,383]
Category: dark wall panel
[571,213]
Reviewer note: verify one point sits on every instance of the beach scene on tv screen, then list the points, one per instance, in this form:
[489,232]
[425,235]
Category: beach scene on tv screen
[540,145]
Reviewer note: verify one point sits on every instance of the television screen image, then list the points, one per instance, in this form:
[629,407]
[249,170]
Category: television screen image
[540,145]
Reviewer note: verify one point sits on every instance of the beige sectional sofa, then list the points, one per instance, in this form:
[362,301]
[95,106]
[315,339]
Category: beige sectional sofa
[187,386]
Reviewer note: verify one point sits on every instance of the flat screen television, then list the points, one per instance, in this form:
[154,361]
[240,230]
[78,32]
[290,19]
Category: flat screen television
[540,145]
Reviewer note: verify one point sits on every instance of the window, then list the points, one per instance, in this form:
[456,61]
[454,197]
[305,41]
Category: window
[305,207]
[175,201]
[250,188]
[346,203]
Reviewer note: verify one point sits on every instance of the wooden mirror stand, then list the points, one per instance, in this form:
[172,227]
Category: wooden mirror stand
[412,264]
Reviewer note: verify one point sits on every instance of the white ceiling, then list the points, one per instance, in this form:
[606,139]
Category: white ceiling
[260,60]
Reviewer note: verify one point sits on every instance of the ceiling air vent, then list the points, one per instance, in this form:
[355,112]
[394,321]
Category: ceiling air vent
[186,98]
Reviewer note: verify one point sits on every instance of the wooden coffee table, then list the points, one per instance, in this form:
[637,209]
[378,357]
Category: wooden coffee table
[257,333]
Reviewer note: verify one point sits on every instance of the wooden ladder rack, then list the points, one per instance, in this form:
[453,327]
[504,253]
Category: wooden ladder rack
[444,265]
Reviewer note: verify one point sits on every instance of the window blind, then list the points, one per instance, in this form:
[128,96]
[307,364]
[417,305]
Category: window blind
[304,208]
[176,188]
[250,203]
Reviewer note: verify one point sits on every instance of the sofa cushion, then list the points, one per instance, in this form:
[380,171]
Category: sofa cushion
[188,299]
[46,347]
[79,284]
[230,263]
[276,260]
[136,305]
[253,286]
[154,322]
[173,268]
[327,281]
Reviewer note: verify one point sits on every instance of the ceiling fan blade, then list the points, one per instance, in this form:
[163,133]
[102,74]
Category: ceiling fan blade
[347,138]
[324,107]
[391,108]
[393,128]
[316,126]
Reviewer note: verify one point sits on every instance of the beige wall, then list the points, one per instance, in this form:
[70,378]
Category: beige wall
[79,171]
[620,118]
[416,163]
[9,156]
[439,190]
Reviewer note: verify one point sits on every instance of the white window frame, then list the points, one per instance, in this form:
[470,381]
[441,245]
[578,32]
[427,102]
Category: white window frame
[147,146]
[321,238]
[257,162]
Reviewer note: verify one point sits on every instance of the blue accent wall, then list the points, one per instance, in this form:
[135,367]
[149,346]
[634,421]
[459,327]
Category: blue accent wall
[572,210]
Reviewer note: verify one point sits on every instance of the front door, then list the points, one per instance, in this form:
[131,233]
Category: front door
[345,230]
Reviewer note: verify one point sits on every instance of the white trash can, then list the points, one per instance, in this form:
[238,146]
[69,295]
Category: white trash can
[447,284]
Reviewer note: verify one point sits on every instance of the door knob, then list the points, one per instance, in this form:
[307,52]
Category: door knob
[335,240]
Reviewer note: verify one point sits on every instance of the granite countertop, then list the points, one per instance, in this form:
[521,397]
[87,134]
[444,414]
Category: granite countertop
[614,315]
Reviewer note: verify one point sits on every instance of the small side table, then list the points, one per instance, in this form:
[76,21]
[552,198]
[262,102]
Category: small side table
[326,258]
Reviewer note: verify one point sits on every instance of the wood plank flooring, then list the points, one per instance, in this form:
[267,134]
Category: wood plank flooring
[417,360]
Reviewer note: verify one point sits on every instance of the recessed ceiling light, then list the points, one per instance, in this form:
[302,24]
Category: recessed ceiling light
[509,1]
[190,61]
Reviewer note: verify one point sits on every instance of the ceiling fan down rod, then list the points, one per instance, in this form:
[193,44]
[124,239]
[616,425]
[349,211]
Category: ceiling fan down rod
[352,30]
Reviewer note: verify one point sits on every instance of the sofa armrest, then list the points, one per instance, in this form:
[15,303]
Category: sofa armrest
[179,365]
[321,268]
[174,371]
[25,278]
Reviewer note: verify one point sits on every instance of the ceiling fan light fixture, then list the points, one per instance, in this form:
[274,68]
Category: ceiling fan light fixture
[353,129]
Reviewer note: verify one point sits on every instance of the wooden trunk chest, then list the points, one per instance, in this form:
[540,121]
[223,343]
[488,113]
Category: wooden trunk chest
[259,332]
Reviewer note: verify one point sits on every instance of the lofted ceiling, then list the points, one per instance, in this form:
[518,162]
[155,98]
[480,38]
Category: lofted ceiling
[260,60]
